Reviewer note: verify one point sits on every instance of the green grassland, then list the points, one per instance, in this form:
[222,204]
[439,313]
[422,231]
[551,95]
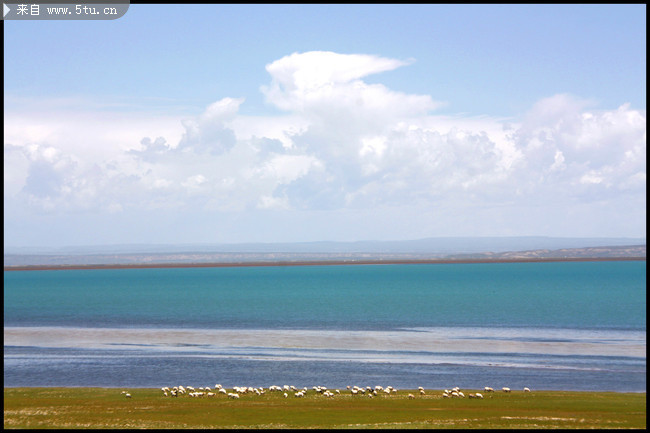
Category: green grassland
[148,408]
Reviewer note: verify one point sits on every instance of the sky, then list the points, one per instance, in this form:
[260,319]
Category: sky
[211,123]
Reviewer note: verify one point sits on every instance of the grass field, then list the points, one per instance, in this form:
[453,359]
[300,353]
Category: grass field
[148,408]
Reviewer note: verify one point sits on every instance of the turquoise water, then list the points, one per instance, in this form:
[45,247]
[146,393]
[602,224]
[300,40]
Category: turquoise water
[566,294]
[562,325]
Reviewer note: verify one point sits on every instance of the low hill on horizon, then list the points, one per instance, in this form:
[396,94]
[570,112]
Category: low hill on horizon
[422,249]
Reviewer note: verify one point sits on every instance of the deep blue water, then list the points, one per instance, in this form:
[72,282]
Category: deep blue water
[563,325]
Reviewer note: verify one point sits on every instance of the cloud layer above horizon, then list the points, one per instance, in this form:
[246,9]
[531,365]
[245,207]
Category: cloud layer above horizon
[338,145]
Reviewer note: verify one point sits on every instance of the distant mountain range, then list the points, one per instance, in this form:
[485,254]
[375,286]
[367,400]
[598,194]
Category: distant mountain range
[421,249]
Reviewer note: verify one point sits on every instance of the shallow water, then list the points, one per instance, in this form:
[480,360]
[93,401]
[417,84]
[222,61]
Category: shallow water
[328,343]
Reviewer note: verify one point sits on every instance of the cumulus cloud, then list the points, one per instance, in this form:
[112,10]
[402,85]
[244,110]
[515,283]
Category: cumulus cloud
[327,88]
[343,145]
[49,179]
[151,150]
[591,153]
[209,133]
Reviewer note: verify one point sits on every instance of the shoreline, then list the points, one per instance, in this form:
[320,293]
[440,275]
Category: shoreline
[313,263]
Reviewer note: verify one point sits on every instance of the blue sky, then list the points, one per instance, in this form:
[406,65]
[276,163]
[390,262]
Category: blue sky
[244,123]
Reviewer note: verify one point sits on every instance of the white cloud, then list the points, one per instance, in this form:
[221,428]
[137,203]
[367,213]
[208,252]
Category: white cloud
[301,75]
[209,133]
[273,203]
[286,168]
[573,147]
[194,182]
[343,146]
[327,86]
[269,130]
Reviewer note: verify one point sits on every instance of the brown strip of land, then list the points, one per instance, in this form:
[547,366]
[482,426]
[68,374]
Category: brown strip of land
[314,263]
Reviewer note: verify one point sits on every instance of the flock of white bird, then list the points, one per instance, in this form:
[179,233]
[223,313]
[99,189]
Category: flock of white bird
[369,391]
